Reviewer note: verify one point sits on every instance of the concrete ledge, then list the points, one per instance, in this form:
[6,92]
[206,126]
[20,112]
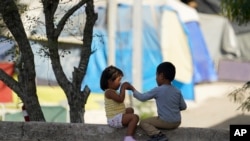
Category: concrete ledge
[45,131]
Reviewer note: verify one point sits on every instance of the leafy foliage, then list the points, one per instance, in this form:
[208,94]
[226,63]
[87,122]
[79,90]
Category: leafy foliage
[236,10]
[242,95]
[145,112]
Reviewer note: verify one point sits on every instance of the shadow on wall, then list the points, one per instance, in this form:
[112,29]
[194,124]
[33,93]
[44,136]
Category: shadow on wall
[239,119]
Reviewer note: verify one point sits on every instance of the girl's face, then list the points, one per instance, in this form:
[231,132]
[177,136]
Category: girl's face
[115,84]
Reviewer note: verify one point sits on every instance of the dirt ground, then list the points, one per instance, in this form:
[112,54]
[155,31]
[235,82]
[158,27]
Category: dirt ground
[212,108]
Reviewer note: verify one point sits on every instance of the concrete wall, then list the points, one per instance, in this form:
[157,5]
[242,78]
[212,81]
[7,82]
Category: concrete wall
[40,131]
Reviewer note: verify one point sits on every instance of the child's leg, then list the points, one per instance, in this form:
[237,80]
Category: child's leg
[151,125]
[130,120]
[129,110]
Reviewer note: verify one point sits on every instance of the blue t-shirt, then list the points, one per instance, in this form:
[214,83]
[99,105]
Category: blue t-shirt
[169,102]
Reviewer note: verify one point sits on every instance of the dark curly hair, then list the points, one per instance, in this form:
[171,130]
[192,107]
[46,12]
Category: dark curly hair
[168,70]
[110,73]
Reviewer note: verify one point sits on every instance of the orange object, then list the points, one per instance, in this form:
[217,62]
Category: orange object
[5,91]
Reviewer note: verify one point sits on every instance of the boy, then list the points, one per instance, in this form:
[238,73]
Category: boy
[169,101]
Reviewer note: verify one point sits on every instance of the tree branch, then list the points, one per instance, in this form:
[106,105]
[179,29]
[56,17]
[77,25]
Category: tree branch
[10,82]
[50,7]
[11,17]
[63,20]
[87,40]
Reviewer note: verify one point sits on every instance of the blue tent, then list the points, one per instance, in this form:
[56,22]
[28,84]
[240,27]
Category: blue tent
[203,67]
[199,69]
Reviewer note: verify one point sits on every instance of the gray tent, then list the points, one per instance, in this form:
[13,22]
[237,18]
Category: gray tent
[242,31]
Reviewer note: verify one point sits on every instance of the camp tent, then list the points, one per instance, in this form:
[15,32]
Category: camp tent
[229,45]
[210,10]
[168,35]
[171,32]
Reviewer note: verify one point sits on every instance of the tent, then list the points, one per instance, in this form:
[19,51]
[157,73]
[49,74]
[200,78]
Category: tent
[210,10]
[171,32]
[186,48]
[229,47]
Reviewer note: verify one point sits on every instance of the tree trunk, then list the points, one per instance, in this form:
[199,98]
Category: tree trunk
[77,105]
[33,108]
[76,98]
[25,87]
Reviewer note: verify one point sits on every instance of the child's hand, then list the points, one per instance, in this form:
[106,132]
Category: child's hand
[127,86]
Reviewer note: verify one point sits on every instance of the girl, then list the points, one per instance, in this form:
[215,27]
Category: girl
[117,114]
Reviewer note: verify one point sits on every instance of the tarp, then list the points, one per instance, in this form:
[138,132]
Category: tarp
[194,62]
[196,66]
[6,64]
[201,61]
[208,6]
[210,11]
[176,50]
[223,43]
[199,68]
[5,91]
[6,50]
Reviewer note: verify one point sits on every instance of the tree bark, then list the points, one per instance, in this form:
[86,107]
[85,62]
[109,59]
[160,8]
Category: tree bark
[25,87]
[72,89]
[79,73]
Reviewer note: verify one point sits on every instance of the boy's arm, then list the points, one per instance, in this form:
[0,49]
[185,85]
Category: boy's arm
[112,94]
[119,97]
[145,96]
